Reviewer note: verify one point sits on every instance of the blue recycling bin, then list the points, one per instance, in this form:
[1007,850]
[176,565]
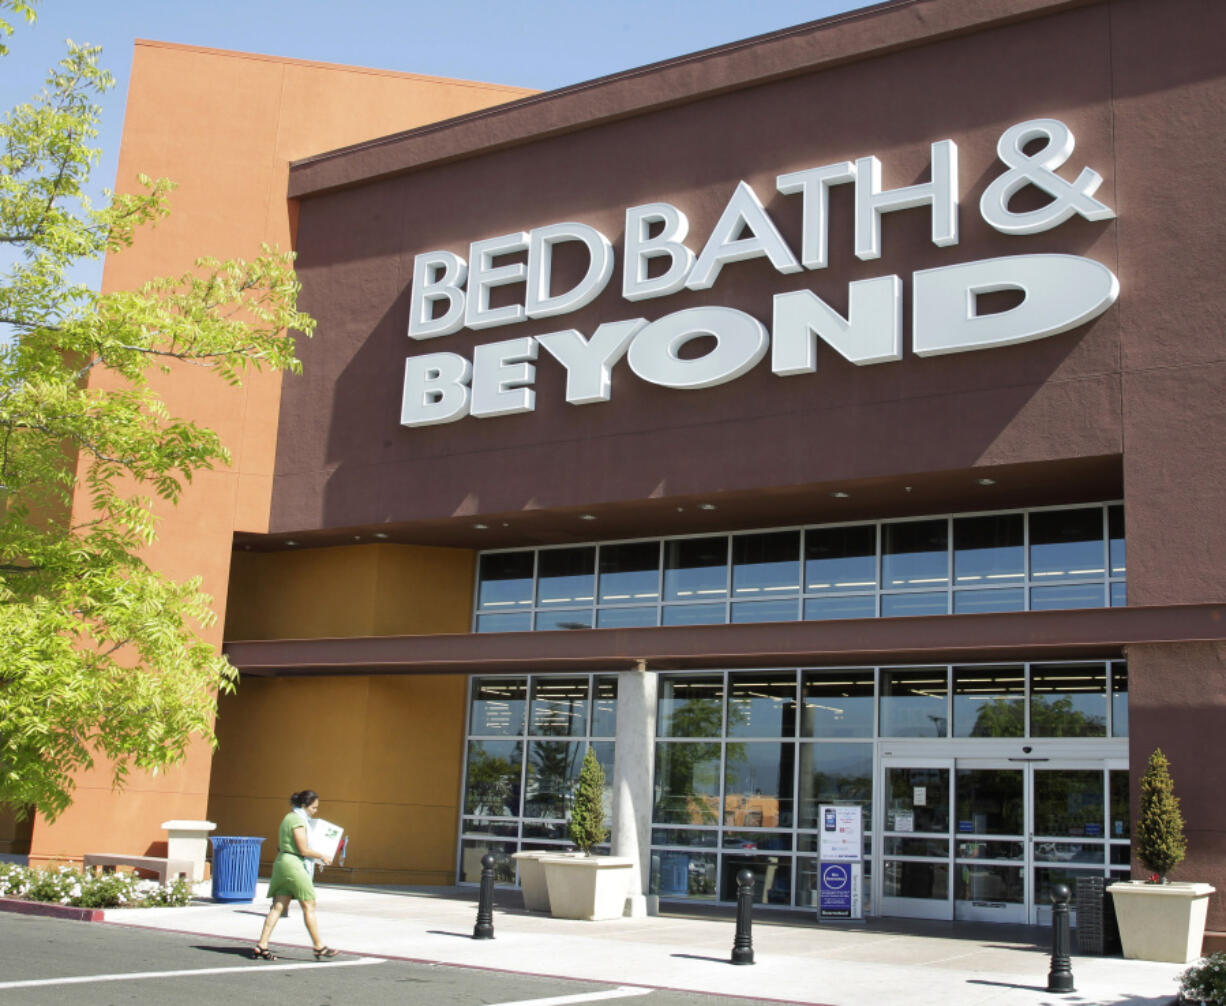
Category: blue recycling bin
[236,867]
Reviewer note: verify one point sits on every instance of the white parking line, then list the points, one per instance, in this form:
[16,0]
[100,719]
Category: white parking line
[137,975]
[621,992]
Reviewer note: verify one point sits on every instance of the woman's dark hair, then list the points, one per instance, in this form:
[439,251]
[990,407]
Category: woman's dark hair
[303,799]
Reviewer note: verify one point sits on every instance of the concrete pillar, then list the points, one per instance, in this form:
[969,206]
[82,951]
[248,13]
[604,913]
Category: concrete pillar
[633,769]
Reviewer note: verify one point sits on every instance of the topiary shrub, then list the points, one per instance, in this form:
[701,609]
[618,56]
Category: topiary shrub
[1160,841]
[587,827]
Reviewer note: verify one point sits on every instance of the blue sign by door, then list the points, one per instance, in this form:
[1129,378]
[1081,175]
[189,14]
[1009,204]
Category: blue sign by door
[834,891]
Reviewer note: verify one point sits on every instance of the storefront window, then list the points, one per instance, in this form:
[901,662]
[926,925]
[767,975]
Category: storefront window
[1066,544]
[630,573]
[491,784]
[687,783]
[915,554]
[841,558]
[559,707]
[497,707]
[989,551]
[989,701]
[695,569]
[506,580]
[1119,700]
[553,768]
[1068,802]
[758,785]
[762,704]
[565,576]
[1068,701]
[839,773]
[691,706]
[837,703]
[913,703]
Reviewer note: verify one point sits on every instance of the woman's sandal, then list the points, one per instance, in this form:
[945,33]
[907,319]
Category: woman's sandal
[325,953]
[260,953]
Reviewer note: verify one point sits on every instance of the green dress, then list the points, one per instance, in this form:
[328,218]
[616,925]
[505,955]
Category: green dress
[291,874]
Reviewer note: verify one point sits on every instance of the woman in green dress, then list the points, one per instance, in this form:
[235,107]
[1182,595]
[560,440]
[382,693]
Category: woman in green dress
[292,875]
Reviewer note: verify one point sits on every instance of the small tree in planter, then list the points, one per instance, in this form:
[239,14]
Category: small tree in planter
[587,827]
[1161,845]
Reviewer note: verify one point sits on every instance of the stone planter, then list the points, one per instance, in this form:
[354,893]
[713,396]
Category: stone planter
[588,887]
[1161,922]
[532,877]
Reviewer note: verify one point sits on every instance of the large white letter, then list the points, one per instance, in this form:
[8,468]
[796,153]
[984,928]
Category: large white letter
[871,332]
[589,365]
[741,341]
[941,194]
[641,248]
[501,378]
[1060,293]
[437,275]
[483,275]
[540,304]
[814,187]
[435,389]
[744,211]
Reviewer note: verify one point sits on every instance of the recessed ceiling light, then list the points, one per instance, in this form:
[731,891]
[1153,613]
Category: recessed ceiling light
[290,542]
[986,482]
[357,537]
[707,506]
[481,527]
[587,516]
[379,534]
[838,494]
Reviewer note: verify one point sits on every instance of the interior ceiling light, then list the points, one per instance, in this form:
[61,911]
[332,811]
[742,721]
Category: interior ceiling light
[379,534]
[290,542]
[481,527]
[838,494]
[986,482]
[587,516]
[707,506]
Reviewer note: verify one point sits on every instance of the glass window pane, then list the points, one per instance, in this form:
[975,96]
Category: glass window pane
[555,621]
[604,706]
[553,768]
[1119,700]
[852,606]
[694,614]
[837,704]
[604,752]
[1068,701]
[1115,535]
[989,550]
[984,882]
[915,553]
[695,569]
[1068,802]
[630,572]
[921,603]
[782,610]
[839,773]
[1119,594]
[762,704]
[758,785]
[841,558]
[1081,595]
[913,703]
[989,801]
[989,701]
[520,621]
[498,707]
[505,580]
[691,706]
[917,800]
[626,618]
[970,602]
[684,875]
[772,878]
[765,565]
[565,575]
[1121,817]
[473,850]
[1066,544]
[696,837]
[491,783]
[686,783]
[559,707]
[903,879]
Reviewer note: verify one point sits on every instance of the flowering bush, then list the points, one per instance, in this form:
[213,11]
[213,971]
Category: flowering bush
[1206,981]
[66,886]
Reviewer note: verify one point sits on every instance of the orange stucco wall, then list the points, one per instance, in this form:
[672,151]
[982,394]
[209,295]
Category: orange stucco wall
[384,754]
[224,126]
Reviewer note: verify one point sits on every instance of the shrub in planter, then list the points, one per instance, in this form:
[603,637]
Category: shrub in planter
[587,827]
[1205,982]
[66,886]
[1160,841]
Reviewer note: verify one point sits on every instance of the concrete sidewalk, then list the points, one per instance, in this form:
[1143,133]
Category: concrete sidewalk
[882,962]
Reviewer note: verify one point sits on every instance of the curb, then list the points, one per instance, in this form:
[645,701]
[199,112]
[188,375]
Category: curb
[23,907]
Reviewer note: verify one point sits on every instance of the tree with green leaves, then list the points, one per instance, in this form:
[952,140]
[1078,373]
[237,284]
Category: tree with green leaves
[587,815]
[1161,845]
[101,655]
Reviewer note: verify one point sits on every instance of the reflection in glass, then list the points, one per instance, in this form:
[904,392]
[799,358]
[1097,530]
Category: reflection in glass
[914,603]
[1119,700]
[551,621]
[772,878]
[604,705]
[762,704]
[1115,536]
[913,703]
[989,850]
[697,837]
[915,553]
[518,622]
[851,606]
[1047,877]
[630,572]
[565,575]
[899,846]
[902,879]
[604,752]
[498,707]
[970,602]
[782,610]
[984,882]
[841,558]
[1068,701]
[758,785]
[553,768]
[686,783]
[1068,852]
[1121,820]
[684,875]
[765,565]
[917,800]
[776,841]
[989,701]
[625,618]
[840,773]
[1068,802]
[473,850]
[1119,594]
[1079,595]
[807,883]
[989,801]
[559,707]
[505,580]
[491,783]
[690,705]
[837,703]
[555,830]
[695,569]
[989,550]
[694,614]
[1066,544]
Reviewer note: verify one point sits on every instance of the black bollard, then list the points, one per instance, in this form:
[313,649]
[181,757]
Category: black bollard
[742,946]
[1060,977]
[484,929]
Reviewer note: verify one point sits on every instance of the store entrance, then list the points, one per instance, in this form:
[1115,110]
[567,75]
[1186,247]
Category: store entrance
[985,839]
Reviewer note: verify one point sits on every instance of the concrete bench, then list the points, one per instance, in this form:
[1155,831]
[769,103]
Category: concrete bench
[163,867]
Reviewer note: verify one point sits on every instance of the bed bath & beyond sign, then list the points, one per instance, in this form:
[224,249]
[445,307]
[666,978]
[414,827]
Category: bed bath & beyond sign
[1059,292]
